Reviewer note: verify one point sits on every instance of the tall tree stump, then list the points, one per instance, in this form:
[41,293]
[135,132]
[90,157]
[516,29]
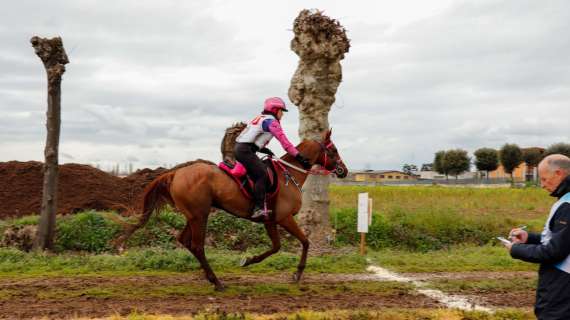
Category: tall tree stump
[54,58]
[320,42]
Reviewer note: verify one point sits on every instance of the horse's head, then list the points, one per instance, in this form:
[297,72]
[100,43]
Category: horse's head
[330,158]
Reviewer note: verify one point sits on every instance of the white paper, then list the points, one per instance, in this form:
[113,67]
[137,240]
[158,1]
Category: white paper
[363,212]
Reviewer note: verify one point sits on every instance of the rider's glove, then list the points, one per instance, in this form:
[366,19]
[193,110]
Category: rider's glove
[267,151]
[304,161]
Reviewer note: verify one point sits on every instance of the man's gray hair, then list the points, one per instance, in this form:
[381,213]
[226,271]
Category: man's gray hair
[558,161]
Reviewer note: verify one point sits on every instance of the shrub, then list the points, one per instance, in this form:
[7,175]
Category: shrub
[85,231]
[228,232]
[419,230]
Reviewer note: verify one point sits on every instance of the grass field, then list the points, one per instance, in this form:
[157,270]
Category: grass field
[516,204]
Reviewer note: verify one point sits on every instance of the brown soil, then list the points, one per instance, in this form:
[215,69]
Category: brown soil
[80,187]
[29,303]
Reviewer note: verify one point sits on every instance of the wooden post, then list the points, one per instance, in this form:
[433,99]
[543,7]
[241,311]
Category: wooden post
[362,243]
[370,211]
[54,58]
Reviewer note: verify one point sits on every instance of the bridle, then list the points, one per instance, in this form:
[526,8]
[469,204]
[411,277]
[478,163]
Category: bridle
[324,160]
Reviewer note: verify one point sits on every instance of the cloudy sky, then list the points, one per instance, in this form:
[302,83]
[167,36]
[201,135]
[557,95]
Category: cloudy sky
[156,82]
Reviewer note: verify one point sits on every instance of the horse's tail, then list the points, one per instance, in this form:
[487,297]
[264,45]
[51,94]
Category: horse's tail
[156,195]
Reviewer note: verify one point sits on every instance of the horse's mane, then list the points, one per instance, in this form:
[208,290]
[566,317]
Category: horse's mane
[229,141]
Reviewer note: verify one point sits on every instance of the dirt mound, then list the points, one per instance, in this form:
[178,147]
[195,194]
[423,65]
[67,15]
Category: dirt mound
[80,187]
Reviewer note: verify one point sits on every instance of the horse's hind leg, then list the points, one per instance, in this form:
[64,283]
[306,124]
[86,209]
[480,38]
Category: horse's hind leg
[198,234]
[291,226]
[185,237]
[271,228]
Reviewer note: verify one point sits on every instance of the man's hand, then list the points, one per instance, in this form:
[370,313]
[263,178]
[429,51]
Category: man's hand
[509,246]
[518,235]
[304,161]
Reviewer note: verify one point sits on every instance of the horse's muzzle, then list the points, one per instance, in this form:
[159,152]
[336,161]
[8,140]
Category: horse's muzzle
[341,171]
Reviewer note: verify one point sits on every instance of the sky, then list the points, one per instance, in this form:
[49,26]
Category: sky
[155,83]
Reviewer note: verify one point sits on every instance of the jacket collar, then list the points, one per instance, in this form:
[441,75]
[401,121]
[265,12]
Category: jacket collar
[562,189]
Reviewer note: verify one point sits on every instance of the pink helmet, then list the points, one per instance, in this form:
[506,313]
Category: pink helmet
[274,104]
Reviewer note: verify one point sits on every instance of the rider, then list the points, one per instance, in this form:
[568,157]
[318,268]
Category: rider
[254,138]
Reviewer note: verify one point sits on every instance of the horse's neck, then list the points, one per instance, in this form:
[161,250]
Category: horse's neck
[310,150]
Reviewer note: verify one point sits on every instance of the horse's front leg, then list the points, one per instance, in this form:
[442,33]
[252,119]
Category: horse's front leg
[291,226]
[271,228]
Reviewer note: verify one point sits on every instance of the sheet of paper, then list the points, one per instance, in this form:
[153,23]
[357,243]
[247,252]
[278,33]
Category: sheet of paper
[363,212]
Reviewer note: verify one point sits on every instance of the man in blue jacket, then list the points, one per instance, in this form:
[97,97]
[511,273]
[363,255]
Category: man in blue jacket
[551,248]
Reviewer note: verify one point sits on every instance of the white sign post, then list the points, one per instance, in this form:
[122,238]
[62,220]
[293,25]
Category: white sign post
[364,219]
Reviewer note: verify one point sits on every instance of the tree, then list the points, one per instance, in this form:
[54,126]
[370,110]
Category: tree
[486,159]
[439,163]
[558,148]
[532,156]
[54,58]
[511,157]
[321,43]
[456,161]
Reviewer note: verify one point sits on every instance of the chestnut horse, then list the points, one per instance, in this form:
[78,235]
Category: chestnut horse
[194,189]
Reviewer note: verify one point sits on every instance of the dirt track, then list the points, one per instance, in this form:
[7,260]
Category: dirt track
[97,296]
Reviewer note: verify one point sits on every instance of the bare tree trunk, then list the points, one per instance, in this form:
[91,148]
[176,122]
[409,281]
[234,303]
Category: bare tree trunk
[54,58]
[320,42]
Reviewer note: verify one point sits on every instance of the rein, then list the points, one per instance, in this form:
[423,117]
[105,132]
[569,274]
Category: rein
[292,166]
[322,171]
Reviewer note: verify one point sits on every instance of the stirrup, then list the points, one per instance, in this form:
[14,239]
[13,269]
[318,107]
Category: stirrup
[259,213]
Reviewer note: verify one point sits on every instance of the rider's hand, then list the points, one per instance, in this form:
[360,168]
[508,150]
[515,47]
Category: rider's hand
[304,161]
[518,235]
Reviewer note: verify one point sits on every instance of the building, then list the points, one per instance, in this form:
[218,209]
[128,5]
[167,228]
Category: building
[380,176]
[432,175]
[521,173]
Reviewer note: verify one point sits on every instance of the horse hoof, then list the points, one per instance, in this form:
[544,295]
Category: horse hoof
[243,262]
[220,288]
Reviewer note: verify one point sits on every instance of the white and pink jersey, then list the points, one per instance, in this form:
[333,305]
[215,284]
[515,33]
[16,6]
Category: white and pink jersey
[261,129]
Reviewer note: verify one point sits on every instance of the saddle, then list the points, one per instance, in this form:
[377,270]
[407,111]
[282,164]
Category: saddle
[238,173]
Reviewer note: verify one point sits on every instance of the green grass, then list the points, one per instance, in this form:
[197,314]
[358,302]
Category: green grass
[162,261]
[454,259]
[527,202]
[431,218]
[17,263]
[18,222]
[139,290]
[472,286]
